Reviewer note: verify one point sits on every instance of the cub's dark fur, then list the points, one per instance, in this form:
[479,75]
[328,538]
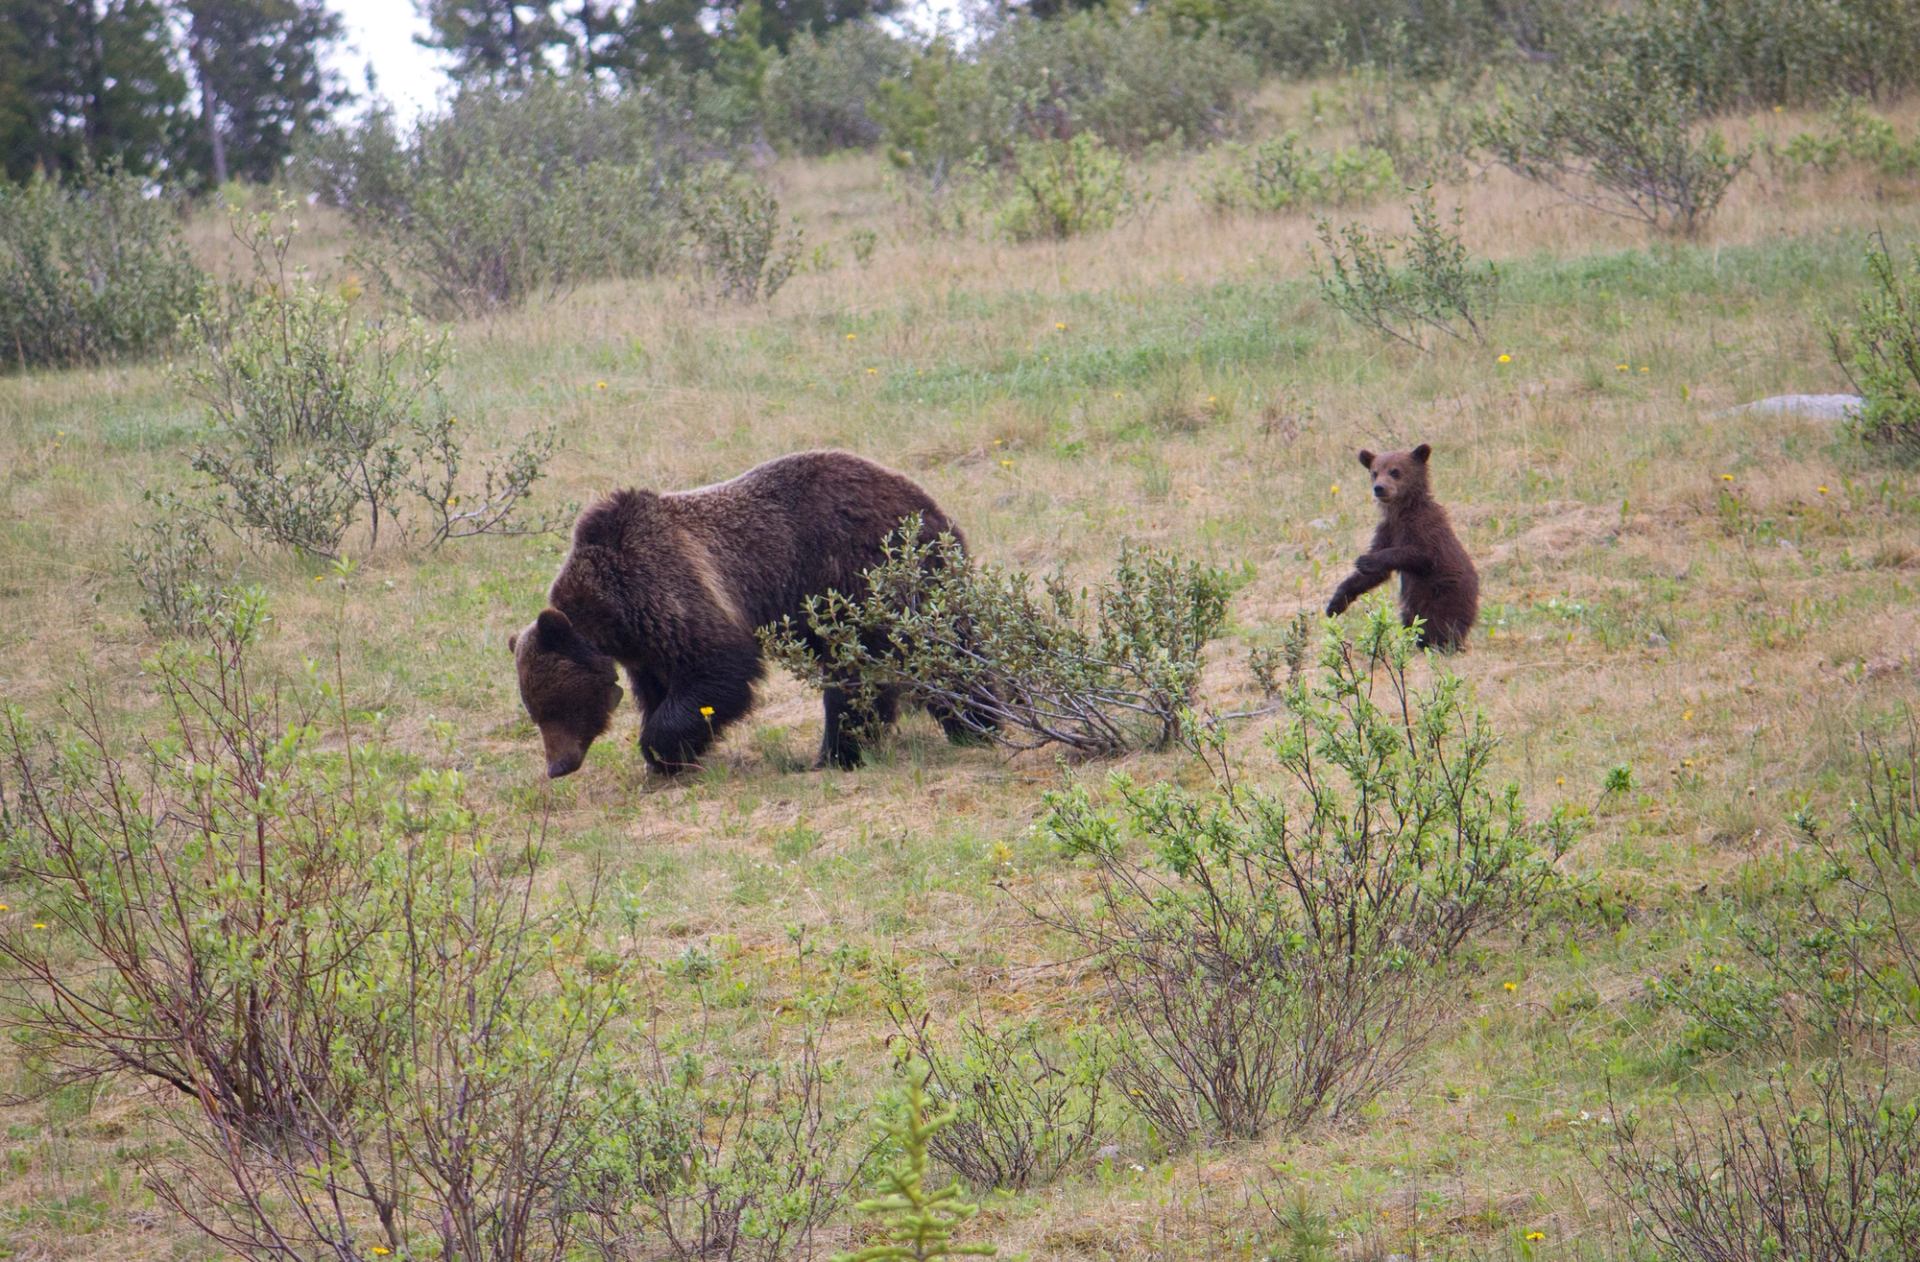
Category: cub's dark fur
[669,587]
[1437,578]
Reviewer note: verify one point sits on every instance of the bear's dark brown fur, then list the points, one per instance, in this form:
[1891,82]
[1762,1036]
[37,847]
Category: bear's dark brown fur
[670,587]
[1437,579]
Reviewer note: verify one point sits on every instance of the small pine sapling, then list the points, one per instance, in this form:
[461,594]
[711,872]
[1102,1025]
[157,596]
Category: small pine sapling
[917,1223]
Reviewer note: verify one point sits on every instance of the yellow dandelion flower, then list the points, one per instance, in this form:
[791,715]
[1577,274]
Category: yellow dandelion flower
[1719,968]
[1510,987]
[1506,359]
[1213,399]
[1644,368]
[599,385]
[1006,464]
[850,337]
[319,578]
[706,711]
[1061,327]
[1619,367]
[873,372]
[1118,395]
[1822,490]
[1002,853]
[1726,477]
[1536,1235]
[381,1251]
[39,924]
[1334,489]
[1559,779]
[1686,716]
[4,907]
[1686,762]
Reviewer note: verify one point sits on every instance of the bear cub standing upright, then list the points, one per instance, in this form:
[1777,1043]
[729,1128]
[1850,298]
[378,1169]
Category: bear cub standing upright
[1437,579]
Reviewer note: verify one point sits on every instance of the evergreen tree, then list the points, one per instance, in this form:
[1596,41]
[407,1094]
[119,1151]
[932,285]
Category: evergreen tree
[257,65]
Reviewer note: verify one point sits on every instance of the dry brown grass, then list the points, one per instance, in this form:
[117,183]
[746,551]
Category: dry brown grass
[1630,619]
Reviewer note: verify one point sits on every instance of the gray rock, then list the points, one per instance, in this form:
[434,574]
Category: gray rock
[1815,407]
[1320,523]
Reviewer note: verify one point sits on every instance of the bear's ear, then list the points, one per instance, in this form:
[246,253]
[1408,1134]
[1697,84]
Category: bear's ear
[1421,453]
[553,629]
[513,641]
[1366,458]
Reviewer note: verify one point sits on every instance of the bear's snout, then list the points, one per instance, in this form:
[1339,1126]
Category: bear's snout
[1379,492]
[565,765]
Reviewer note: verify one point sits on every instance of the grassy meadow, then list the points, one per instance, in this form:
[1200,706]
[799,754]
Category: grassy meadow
[1722,604]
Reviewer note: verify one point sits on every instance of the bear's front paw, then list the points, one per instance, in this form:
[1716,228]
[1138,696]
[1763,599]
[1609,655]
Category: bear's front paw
[1338,605]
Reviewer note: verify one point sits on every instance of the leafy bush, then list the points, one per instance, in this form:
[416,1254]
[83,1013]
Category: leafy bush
[1432,289]
[1620,139]
[1281,174]
[702,1157]
[734,239]
[1274,956]
[90,268]
[515,192]
[1729,54]
[818,97]
[325,954]
[1024,1110]
[917,1223]
[321,417]
[1853,134]
[1825,1173]
[1131,82]
[1880,353]
[1063,188]
[1098,671]
[174,565]
[1304,37]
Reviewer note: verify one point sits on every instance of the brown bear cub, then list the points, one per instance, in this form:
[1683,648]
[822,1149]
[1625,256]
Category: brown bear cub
[1437,580]
[669,588]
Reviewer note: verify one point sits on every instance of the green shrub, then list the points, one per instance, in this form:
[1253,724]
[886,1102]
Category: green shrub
[818,97]
[734,239]
[1099,671]
[1026,1107]
[322,416]
[1283,174]
[1305,37]
[1825,1171]
[1620,139]
[1880,354]
[91,268]
[293,936]
[1273,955]
[1064,188]
[917,1223]
[1431,288]
[515,192]
[173,562]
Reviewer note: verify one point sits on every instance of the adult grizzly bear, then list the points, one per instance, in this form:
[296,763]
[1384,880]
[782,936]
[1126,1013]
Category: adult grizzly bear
[669,587]
[1437,579]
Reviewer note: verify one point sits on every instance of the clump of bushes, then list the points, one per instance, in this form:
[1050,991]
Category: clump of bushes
[322,416]
[1097,671]
[1431,287]
[515,192]
[1284,174]
[1880,353]
[1274,955]
[1063,188]
[1621,138]
[174,564]
[1853,134]
[735,242]
[819,96]
[91,268]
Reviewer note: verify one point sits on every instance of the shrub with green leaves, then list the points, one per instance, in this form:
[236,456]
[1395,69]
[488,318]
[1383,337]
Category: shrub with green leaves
[1853,134]
[91,268]
[735,242]
[515,192]
[321,950]
[1064,188]
[1619,138]
[1405,287]
[1026,1106]
[1281,173]
[323,416]
[1097,670]
[1880,353]
[173,563]
[1273,955]
[818,96]
[917,1223]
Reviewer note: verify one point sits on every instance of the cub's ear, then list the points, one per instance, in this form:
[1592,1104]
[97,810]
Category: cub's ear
[513,641]
[1366,458]
[1421,453]
[553,629]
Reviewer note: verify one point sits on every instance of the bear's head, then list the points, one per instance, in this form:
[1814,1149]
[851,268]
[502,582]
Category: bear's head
[1398,475]
[569,687]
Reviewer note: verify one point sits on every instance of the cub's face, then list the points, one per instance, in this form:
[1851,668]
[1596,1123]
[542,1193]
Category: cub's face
[570,689]
[1397,473]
